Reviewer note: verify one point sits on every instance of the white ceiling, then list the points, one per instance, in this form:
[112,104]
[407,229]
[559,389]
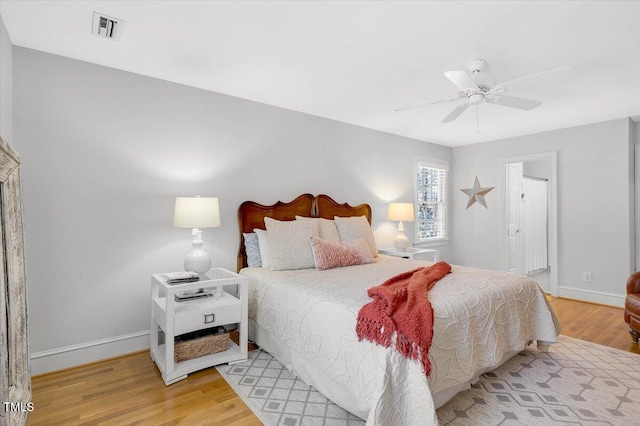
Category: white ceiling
[358,61]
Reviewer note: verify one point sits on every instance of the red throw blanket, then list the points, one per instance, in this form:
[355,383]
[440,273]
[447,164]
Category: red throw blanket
[401,304]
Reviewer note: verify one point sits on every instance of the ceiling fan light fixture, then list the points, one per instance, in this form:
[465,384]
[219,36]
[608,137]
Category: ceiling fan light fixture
[476,66]
[481,73]
[478,85]
[476,99]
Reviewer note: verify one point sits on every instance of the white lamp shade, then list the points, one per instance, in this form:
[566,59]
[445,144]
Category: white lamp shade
[400,212]
[196,212]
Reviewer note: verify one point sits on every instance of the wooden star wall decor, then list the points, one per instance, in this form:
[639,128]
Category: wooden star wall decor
[477,193]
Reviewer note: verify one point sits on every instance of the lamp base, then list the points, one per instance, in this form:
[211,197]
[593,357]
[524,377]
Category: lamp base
[197,260]
[401,243]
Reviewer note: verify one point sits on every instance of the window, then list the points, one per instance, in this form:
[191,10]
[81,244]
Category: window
[431,201]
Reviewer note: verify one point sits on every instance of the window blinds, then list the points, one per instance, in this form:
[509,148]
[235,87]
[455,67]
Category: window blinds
[431,199]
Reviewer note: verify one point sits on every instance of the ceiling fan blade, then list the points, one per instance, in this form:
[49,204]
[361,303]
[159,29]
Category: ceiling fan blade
[462,80]
[515,102]
[456,112]
[554,74]
[428,103]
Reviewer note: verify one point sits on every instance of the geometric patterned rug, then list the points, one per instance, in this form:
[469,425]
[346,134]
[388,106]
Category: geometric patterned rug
[575,382]
[277,397]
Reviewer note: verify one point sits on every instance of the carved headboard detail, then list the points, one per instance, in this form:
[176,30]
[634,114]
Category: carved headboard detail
[251,214]
[327,208]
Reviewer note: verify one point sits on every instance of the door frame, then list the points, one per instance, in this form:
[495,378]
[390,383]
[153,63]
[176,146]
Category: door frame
[552,157]
[518,233]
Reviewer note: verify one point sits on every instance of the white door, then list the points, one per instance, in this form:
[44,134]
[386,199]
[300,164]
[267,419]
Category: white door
[514,232]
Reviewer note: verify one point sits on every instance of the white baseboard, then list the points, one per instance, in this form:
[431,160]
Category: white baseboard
[592,296]
[84,353]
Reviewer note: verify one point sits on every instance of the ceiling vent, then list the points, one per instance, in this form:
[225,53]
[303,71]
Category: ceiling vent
[106,26]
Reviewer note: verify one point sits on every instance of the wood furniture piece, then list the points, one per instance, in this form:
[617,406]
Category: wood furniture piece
[15,376]
[632,306]
[412,253]
[307,318]
[170,318]
[251,214]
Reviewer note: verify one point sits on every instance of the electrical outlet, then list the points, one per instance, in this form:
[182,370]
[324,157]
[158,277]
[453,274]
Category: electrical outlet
[586,277]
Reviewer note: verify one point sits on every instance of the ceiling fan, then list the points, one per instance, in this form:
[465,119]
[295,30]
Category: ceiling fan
[479,85]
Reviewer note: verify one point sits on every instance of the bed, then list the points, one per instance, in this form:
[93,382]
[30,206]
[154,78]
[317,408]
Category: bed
[306,319]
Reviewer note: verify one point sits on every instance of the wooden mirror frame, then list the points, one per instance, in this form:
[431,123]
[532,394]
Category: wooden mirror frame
[15,379]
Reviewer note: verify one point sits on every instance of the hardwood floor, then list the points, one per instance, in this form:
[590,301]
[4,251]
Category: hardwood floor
[129,389]
[594,323]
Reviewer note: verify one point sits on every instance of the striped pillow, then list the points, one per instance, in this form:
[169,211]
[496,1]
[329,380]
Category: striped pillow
[334,254]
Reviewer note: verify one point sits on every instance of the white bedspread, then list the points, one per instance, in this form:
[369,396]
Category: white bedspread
[479,317]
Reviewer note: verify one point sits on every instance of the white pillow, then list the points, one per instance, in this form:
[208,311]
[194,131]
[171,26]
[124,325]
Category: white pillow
[289,243]
[263,243]
[326,228]
[354,228]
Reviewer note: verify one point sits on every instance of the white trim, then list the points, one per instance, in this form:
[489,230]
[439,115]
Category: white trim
[85,345]
[436,163]
[552,156]
[432,164]
[437,243]
[636,202]
[83,353]
[592,296]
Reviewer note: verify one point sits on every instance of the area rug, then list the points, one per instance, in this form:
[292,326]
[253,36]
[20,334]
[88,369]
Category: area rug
[575,382]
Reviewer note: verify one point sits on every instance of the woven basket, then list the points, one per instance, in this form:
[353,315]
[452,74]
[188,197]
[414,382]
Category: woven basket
[200,343]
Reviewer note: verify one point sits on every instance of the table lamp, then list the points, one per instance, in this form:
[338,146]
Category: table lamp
[400,212]
[196,213]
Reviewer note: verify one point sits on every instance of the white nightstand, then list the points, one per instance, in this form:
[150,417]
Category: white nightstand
[412,253]
[170,319]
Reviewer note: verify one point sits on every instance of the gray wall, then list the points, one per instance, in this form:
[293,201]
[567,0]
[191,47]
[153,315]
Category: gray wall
[6,85]
[539,169]
[104,154]
[595,209]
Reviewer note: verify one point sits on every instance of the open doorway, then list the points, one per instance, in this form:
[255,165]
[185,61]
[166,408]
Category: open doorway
[530,218]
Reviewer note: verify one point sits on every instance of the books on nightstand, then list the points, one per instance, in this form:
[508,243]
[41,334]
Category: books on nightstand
[181,297]
[184,278]
[181,277]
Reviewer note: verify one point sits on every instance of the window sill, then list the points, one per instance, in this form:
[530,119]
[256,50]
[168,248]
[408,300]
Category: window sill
[431,244]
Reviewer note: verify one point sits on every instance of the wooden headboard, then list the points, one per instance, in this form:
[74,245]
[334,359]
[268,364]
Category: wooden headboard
[251,214]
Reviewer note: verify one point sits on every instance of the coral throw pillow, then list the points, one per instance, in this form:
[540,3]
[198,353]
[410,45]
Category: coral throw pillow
[334,254]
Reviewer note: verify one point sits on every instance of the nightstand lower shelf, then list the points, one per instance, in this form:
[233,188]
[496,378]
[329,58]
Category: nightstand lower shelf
[182,369]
